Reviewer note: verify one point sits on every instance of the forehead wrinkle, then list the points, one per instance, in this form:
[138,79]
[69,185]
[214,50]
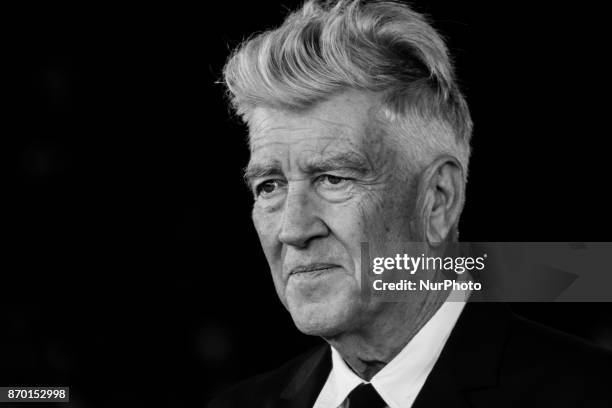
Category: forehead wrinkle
[329,141]
[258,128]
[256,125]
[259,134]
[326,134]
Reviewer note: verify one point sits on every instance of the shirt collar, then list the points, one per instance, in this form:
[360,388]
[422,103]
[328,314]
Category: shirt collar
[402,378]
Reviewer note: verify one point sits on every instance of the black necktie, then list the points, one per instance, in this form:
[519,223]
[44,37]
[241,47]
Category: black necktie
[365,396]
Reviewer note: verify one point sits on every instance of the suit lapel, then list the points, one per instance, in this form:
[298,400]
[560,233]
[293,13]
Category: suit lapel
[467,372]
[306,384]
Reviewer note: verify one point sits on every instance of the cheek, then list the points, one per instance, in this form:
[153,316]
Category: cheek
[267,231]
[378,218]
[346,221]
[267,227]
[390,217]
[371,210]
[348,225]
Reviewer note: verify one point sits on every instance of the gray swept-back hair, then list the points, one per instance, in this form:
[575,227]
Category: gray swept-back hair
[380,46]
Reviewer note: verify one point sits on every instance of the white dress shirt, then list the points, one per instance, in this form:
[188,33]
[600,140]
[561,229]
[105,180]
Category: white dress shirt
[399,382]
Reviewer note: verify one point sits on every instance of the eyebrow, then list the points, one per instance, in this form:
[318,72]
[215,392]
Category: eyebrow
[339,161]
[349,160]
[257,170]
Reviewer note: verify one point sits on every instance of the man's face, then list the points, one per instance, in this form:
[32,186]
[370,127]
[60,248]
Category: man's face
[325,181]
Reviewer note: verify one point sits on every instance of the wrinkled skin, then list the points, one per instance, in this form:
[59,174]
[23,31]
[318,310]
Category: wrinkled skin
[325,181]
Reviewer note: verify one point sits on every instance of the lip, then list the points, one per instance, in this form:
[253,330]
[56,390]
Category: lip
[314,267]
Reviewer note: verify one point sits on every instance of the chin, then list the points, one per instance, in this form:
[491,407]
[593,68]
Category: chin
[325,319]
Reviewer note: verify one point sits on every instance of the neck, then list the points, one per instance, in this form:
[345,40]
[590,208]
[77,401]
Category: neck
[368,349]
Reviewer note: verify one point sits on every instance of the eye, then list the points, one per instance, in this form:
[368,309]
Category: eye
[267,187]
[332,181]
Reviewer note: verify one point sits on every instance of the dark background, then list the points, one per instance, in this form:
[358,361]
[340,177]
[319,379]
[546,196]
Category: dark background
[130,268]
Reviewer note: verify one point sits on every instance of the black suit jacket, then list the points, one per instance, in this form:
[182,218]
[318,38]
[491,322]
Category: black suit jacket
[491,359]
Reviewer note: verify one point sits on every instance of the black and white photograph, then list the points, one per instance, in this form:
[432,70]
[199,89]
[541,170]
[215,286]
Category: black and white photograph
[306,204]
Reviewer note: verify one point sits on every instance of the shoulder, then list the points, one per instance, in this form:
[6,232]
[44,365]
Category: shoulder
[268,386]
[543,347]
[542,358]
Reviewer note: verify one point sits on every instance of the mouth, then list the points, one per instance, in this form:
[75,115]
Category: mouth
[314,268]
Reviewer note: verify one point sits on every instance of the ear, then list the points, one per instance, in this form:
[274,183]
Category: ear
[441,196]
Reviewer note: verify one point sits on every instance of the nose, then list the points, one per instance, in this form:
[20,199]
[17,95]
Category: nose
[300,222]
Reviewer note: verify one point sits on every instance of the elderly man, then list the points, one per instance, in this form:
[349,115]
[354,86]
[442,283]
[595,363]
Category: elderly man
[358,134]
